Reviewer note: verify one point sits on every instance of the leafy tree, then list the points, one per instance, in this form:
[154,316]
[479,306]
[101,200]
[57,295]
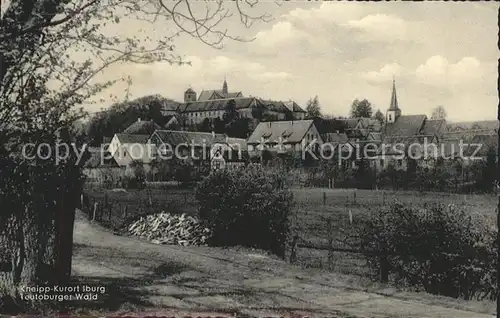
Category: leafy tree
[361,108]
[230,112]
[51,51]
[121,115]
[379,116]
[313,107]
[439,113]
[219,126]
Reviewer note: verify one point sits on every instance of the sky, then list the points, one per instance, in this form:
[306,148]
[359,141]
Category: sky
[440,54]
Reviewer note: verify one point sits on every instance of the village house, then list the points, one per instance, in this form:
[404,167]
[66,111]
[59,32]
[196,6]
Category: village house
[126,148]
[284,135]
[101,168]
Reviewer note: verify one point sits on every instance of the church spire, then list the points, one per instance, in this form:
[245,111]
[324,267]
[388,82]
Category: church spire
[224,87]
[394,98]
[394,111]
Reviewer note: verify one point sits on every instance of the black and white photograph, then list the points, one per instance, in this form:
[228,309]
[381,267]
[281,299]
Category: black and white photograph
[250,159]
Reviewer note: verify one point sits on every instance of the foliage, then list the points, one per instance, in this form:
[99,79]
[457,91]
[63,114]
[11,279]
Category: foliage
[247,207]
[51,51]
[439,113]
[442,249]
[121,115]
[313,107]
[361,109]
[135,175]
[38,199]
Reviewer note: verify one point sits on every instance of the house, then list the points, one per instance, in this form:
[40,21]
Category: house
[408,137]
[101,167]
[198,147]
[126,148]
[229,155]
[284,135]
[174,122]
[338,147]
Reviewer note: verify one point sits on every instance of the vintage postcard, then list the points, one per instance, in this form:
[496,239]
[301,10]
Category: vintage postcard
[249,159]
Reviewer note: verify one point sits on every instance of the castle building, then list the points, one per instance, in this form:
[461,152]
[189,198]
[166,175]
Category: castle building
[212,104]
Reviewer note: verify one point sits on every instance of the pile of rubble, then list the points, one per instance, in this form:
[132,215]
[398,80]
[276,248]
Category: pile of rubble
[165,228]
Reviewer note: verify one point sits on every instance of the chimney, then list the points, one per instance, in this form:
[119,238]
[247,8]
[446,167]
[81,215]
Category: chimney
[139,119]
[213,134]
[337,132]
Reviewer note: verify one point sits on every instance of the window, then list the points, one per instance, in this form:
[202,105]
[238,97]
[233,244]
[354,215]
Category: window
[390,117]
[381,162]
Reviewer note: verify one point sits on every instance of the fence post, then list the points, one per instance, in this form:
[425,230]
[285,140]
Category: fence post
[384,269]
[354,197]
[125,212]
[324,198]
[330,242]
[95,211]
[293,252]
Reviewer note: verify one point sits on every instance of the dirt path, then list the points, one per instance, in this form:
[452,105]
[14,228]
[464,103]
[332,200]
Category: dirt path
[143,276]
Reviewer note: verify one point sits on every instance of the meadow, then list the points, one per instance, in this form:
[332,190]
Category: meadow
[313,207]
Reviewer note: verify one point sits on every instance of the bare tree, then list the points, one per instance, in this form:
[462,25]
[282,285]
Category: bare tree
[50,53]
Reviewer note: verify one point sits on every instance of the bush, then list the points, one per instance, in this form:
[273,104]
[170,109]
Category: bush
[441,248]
[247,206]
[135,176]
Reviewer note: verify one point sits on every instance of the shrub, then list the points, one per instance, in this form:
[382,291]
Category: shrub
[440,248]
[247,206]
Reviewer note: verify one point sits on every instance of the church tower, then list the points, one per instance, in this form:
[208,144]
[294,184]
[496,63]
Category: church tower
[393,112]
[224,88]
[189,96]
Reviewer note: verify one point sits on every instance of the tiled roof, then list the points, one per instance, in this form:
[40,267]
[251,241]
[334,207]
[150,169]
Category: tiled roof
[142,127]
[288,131]
[434,127]
[408,125]
[276,106]
[170,105]
[350,123]
[216,104]
[132,138]
[174,137]
[337,138]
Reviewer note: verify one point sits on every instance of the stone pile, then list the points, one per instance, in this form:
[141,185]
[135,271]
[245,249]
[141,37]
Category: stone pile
[166,228]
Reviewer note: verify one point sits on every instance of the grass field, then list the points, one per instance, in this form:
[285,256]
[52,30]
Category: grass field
[312,208]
